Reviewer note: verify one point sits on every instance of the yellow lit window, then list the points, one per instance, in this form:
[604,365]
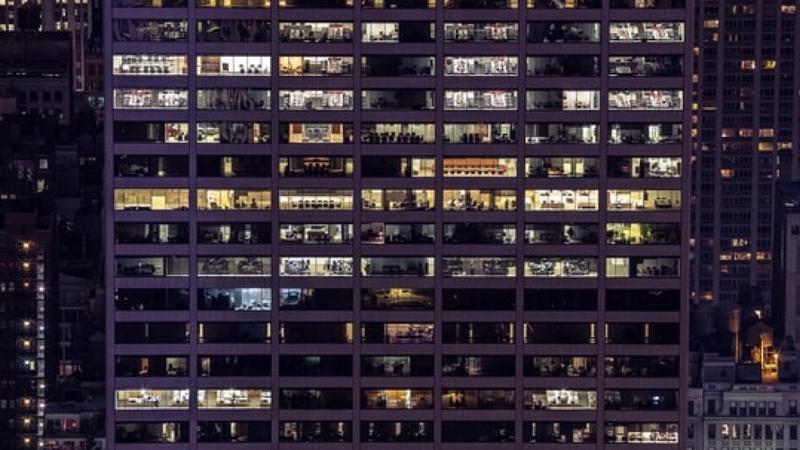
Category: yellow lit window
[769,64]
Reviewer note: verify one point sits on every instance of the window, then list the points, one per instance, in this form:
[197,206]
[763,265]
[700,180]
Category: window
[481,32]
[149,64]
[314,32]
[240,99]
[234,398]
[151,199]
[233,30]
[478,266]
[151,99]
[326,66]
[151,399]
[318,266]
[397,32]
[226,199]
[236,66]
[480,66]
[316,100]
[557,267]
[646,32]
[480,100]
[561,200]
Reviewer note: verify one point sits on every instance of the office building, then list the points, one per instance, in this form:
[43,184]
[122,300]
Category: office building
[337,225]
[745,117]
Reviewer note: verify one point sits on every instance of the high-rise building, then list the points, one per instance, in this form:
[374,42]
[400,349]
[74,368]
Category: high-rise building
[400,221]
[746,115]
[28,285]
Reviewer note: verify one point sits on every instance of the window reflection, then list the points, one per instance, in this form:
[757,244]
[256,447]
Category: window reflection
[316,32]
[560,366]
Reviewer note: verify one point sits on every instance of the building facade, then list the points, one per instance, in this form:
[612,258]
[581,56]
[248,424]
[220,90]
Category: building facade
[746,110]
[726,411]
[396,222]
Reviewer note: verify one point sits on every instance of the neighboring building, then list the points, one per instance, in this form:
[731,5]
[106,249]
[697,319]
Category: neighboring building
[734,408]
[51,391]
[72,16]
[352,225]
[746,114]
[28,285]
[36,70]
[786,284]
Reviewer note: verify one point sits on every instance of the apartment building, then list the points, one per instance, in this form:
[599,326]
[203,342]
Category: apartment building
[397,223]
